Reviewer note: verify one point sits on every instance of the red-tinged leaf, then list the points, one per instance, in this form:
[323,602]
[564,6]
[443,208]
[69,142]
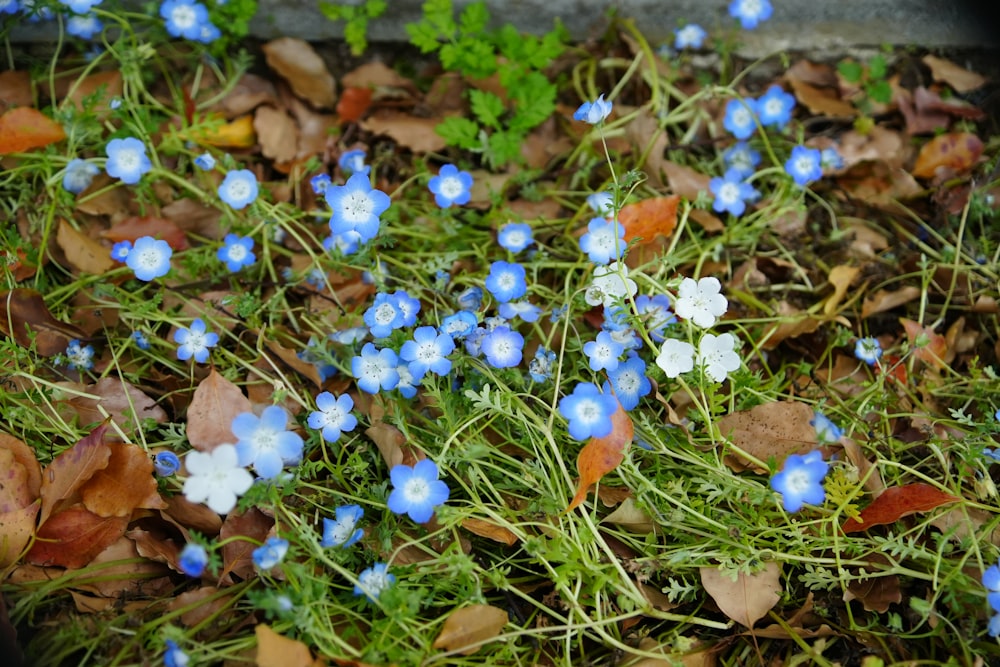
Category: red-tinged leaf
[188,106]
[71,469]
[649,218]
[73,537]
[24,128]
[932,347]
[353,103]
[957,151]
[602,455]
[893,368]
[897,502]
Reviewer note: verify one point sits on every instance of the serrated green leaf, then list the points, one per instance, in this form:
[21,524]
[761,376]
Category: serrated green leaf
[534,99]
[460,132]
[335,12]
[423,36]
[439,14]
[880,91]
[505,147]
[487,107]
[474,19]
[850,70]
[356,35]
[375,8]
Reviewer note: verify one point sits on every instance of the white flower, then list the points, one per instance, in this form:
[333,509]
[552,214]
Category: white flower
[717,357]
[607,285]
[675,357]
[700,301]
[215,478]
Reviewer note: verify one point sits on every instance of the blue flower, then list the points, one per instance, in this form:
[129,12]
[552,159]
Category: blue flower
[407,386]
[166,464]
[829,158]
[238,188]
[193,559]
[349,336]
[384,315]
[451,186]
[80,6]
[588,411]
[353,162]
[993,628]
[265,443]
[208,33]
[409,306]
[731,193]
[270,554]
[195,341]
[750,12]
[740,118]
[374,580]
[236,252]
[458,325]
[690,36]
[826,430]
[149,258]
[540,367]
[416,491]
[593,112]
[515,236]
[333,416]
[629,382]
[174,656]
[604,241]
[741,158]
[140,339]
[356,207]
[803,165]
[375,369]
[428,351]
[603,352]
[347,243]
[775,107]
[127,160]
[655,312]
[991,582]
[79,356]
[503,347]
[868,350]
[601,203]
[470,298]
[9,7]
[84,27]
[526,310]
[506,281]
[79,174]
[205,161]
[801,480]
[342,531]
[320,182]
[992,454]
[184,18]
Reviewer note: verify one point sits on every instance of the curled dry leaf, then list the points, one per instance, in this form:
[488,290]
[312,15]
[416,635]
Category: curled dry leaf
[490,530]
[216,402]
[82,252]
[821,101]
[876,593]
[416,134]
[299,64]
[274,650]
[955,151]
[896,502]
[249,529]
[24,128]
[19,503]
[602,455]
[134,227]
[841,278]
[791,322]
[928,346]
[747,598]
[466,630]
[25,317]
[24,456]
[72,469]
[770,430]
[884,300]
[124,485]
[685,181]
[960,79]
[631,517]
[353,103]
[16,529]
[392,445]
[276,132]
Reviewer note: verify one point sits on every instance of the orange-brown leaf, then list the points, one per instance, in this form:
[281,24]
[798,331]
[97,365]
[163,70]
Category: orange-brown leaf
[126,484]
[16,529]
[933,346]
[253,525]
[73,537]
[958,151]
[82,252]
[24,316]
[490,530]
[274,650]
[24,128]
[602,455]
[24,456]
[649,218]
[134,227]
[71,469]
[897,502]
[215,404]
[353,103]
[467,629]
[238,133]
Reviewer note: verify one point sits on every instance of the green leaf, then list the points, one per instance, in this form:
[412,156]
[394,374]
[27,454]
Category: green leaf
[850,70]
[474,19]
[336,12]
[877,67]
[460,132]
[423,36]
[375,8]
[439,15]
[505,147]
[487,107]
[534,99]
[880,91]
[356,35]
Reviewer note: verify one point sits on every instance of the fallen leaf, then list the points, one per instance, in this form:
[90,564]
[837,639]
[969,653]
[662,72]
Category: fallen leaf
[876,593]
[191,216]
[297,62]
[73,537]
[15,89]
[276,132]
[196,516]
[631,517]
[25,457]
[24,128]
[931,348]
[101,87]
[960,79]
[956,151]
[873,481]
[648,218]
[770,430]
[216,402]
[375,74]
[25,318]
[791,322]
[353,103]
[602,455]
[392,445]
[238,133]
[746,599]
[841,278]
[242,532]
[884,300]
[135,227]
[249,92]
[896,502]
[123,572]
[416,134]
[127,405]
[685,181]
[291,357]
[71,469]
[466,630]
[82,252]
[16,529]
[199,605]
[821,101]
[126,484]
[490,530]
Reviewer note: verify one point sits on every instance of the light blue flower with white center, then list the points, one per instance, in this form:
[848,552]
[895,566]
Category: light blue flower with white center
[804,165]
[750,12]
[416,491]
[356,206]
[741,117]
[184,18]
[604,352]
[193,559]
[540,367]
[991,582]
[238,188]
[140,340]
[691,36]
[149,258]
[830,159]
[320,182]
[470,298]
[166,463]
[79,356]
[629,382]
[451,186]
[408,305]
[474,341]
[868,350]
[36,11]
[205,162]
[80,6]
[127,160]
[801,480]
[731,193]
[604,241]
[236,252]
[9,7]
[349,336]
[459,325]
[503,347]
[174,656]
[826,430]
[384,315]
[374,580]
[79,175]
[515,236]
[269,555]
[593,112]
[342,530]
[333,415]
[346,243]
[774,107]
[84,27]
[353,162]
[588,411]
[375,369]
[208,33]
[602,203]
[993,627]
[265,443]
[741,158]
[428,351]
[408,384]
[525,310]
[506,281]
[195,342]
[656,314]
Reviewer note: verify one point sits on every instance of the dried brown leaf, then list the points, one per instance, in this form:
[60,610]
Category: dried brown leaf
[215,404]
[821,101]
[876,593]
[960,79]
[685,181]
[304,70]
[132,228]
[24,128]
[631,517]
[884,300]
[274,650]
[490,530]
[252,525]
[15,89]
[249,92]
[841,278]
[746,599]
[392,445]
[118,398]
[24,456]
[126,484]
[276,132]
[468,629]
[73,537]
[101,87]
[25,317]
[199,605]
[770,430]
[16,529]
[416,134]
[71,469]
[82,252]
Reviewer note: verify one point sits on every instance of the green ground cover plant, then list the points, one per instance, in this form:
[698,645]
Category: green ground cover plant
[531,353]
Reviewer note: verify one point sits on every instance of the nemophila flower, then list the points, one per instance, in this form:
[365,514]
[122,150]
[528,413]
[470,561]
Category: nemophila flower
[79,356]
[9,7]
[342,531]
[868,350]
[607,285]
[629,382]
[993,627]
[741,158]
[503,347]
[540,367]
[826,430]
[270,554]
[506,281]
[166,464]
[474,341]
[655,313]
[347,243]
[120,251]
[829,159]
[603,353]
[602,203]
[588,411]
[801,480]
[407,386]
[333,415]
[441,279]
[374,580]
[195,341]
[174,656]
[593,112]
[700,301]
[79,175]
[451,186]
[80,6]
[717,355]
[115,103]
[356,206]
[616,324]
[193,559]
[428,351]
[149,258]
[459,325]
[36,12]
[774,107]
[127,160]
[470,298]
[84,27]
[205,161]
[238,188]
[375,369]
[804,165]
[353,162]
[676,357]
[740,118]
[349,336]
[515,236]
[690,36]
[140,340]
[416,491]
[236,252]
[208,33]
[320,182]
[525,310]
[604,240]
[991,582]
[184,18]
[265,443]
[409,306]
[731,193]
[384,315]
[750,12]
[996,415]
[993,454]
